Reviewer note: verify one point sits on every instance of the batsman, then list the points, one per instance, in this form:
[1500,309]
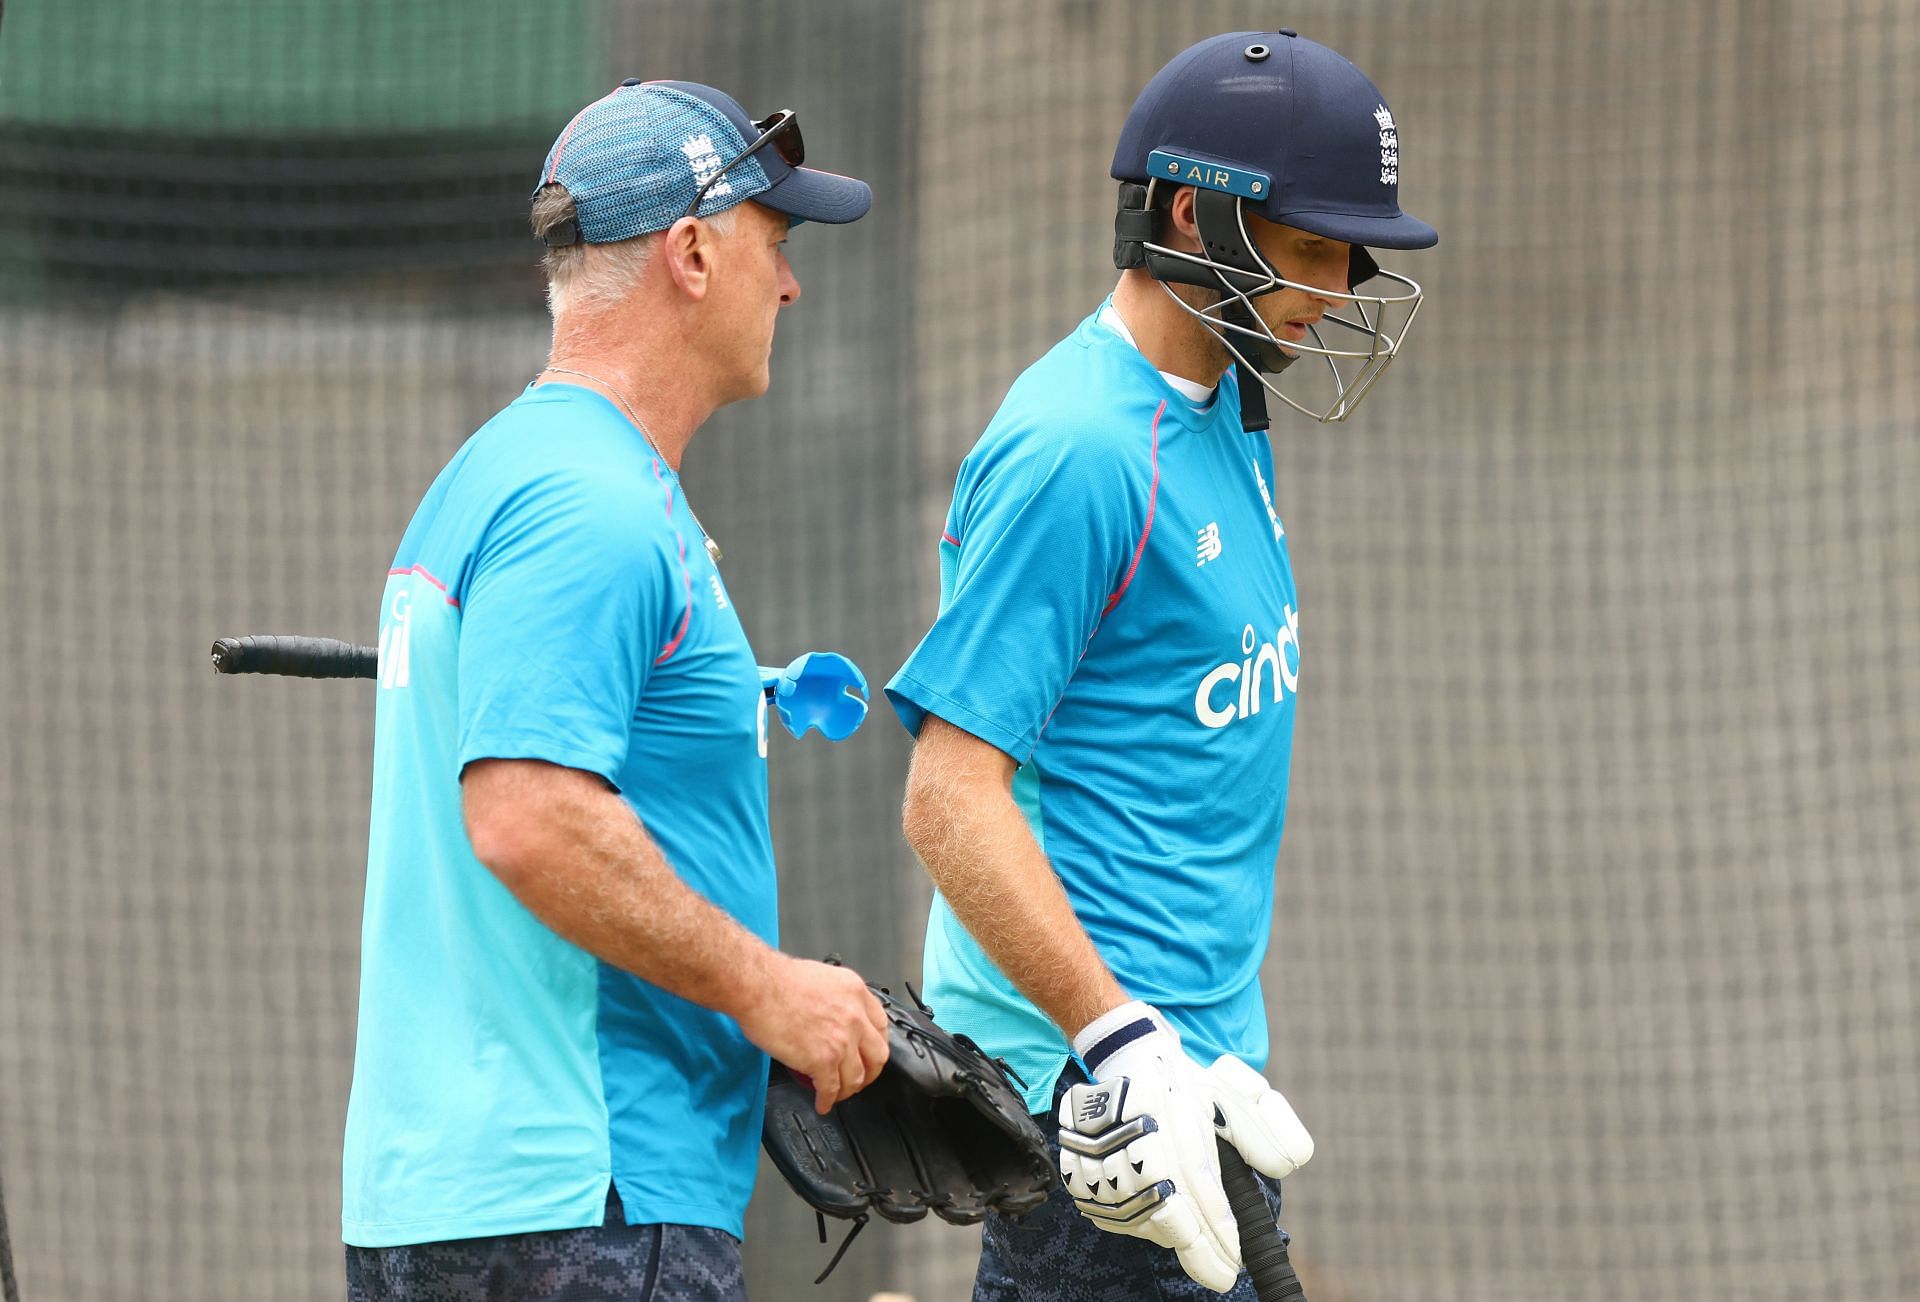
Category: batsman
[1104,706]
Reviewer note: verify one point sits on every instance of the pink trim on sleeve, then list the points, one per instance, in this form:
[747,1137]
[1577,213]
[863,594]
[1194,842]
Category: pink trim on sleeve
[686,615]
[1153,497]
[686,576]
[421,570]
[1139,549]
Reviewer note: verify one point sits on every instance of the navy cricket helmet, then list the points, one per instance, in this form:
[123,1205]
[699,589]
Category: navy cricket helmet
[1283,127]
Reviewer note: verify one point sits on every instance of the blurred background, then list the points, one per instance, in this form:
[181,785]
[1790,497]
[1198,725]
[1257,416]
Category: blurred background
[1594,969]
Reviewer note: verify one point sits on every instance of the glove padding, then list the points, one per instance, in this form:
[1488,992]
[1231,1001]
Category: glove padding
[942,1129]
[1137,1145]
[1257,1119]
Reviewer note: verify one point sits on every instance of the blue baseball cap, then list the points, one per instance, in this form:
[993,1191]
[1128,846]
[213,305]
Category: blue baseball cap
[1286,123]
[634,159]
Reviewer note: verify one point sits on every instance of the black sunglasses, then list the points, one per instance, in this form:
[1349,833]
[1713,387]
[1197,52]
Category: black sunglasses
[782,130]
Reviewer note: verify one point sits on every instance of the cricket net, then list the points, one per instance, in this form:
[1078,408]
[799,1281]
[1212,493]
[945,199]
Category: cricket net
[1594,969]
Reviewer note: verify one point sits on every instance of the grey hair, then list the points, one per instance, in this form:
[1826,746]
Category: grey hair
[588,277]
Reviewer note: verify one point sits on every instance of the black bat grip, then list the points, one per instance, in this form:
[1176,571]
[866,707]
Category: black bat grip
[299,657]
[1262,1248]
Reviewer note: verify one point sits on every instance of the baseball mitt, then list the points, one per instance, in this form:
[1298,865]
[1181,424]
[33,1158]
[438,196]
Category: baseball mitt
[942,1130]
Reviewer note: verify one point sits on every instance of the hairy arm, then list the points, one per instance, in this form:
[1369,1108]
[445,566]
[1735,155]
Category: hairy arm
[572,851]
[961,819]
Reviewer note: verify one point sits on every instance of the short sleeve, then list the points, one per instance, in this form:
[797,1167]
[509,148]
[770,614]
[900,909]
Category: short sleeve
[575,589]
[1042,538]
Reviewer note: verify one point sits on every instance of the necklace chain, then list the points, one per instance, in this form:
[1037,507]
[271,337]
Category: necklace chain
[713,548]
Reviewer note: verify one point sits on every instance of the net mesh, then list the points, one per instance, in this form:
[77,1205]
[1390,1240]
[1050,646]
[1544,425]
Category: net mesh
[1595,964]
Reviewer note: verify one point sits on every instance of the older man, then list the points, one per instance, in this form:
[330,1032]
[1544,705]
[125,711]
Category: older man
[569,983]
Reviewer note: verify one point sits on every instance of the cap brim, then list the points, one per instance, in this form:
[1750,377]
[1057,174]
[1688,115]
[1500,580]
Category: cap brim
[1401,232]
[815,196]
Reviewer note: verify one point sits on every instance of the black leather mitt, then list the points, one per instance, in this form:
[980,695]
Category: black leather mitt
[942,1130]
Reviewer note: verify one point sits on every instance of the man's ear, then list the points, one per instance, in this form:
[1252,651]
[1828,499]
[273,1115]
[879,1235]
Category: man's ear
[1182,227]
[687,249]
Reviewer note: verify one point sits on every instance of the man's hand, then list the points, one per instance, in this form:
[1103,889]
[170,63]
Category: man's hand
[1137,1147]
[820,1020]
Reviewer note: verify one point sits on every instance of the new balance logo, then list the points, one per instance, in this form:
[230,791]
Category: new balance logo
[719,593]
[1093,1106]
[1209,546]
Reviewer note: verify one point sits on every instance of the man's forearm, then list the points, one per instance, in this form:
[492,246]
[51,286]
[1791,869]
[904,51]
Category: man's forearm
[978,849]
[589,871]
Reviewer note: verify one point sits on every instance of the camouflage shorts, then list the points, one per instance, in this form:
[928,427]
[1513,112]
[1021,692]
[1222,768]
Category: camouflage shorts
[614,1262]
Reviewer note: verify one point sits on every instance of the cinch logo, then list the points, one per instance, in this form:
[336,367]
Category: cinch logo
[1216,708]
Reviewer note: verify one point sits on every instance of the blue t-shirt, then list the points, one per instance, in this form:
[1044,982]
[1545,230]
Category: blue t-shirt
[552,600]
[1117,614]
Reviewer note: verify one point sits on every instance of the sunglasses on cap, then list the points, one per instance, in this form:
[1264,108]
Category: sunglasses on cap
[782,131]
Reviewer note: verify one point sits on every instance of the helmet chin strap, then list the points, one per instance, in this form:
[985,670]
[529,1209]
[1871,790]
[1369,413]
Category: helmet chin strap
[1253,400]
[1253,356]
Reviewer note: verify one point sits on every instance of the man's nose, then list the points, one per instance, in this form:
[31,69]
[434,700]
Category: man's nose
[789,285]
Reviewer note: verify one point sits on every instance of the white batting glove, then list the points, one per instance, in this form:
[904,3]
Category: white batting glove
[1137,1146]
[1257,1119]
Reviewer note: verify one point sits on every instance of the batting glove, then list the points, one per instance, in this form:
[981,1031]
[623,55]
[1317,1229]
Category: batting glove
[1137,1146]
[1257,1119]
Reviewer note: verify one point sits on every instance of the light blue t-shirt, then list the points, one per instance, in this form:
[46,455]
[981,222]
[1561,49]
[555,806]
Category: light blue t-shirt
[552,600]
[1117,614]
